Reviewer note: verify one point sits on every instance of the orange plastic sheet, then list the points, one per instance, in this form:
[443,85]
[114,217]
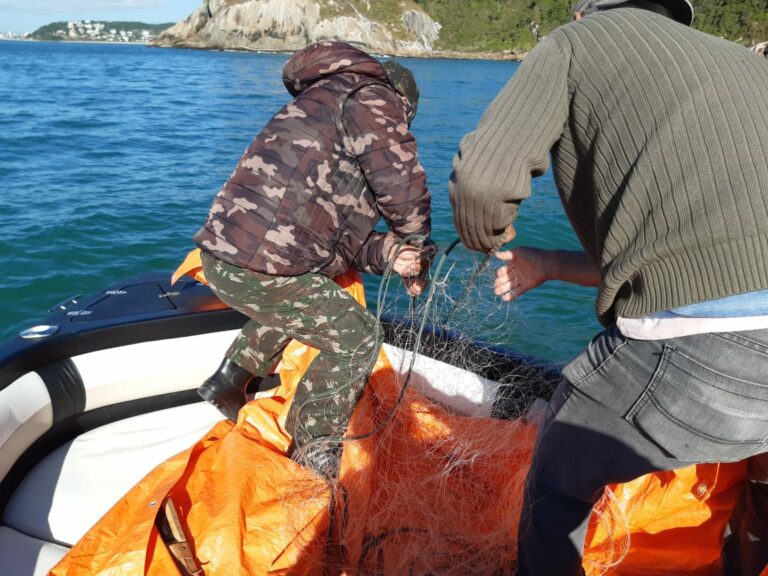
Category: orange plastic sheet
[423,491]
[191,266]
[664,523]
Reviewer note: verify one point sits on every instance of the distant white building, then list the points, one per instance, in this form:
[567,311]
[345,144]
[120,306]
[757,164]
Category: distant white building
[10,35]
[97,31]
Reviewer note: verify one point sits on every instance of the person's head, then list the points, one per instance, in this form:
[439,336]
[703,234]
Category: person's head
[680,10]
[402,80]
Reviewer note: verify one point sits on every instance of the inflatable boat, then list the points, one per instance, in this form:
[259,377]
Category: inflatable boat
[100,392]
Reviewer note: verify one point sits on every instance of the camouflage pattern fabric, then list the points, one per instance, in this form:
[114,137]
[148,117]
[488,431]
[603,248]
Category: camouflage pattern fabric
[314,310]
[403,81]
[307,193]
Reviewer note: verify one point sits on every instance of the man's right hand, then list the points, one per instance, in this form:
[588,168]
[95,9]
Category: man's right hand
[524,269]
[527,268]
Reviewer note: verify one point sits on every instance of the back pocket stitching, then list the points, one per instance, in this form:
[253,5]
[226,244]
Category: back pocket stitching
[721,374]
[647,396]
[737,338]
[748,444]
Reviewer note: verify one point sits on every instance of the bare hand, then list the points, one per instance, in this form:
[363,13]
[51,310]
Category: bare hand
[408,261]
[524,269]
[412,265]
[414,285]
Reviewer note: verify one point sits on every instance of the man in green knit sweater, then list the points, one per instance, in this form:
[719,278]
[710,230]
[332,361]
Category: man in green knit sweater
[650,126]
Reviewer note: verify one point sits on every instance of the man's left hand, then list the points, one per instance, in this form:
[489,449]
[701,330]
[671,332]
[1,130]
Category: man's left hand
[412,264]
[414,285]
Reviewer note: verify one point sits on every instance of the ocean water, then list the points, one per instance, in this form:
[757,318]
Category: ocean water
[110,156]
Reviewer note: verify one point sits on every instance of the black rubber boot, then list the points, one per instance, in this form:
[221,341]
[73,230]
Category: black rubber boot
[226,389]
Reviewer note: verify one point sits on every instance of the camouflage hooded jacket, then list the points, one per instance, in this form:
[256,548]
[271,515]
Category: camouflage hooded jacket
[308,191]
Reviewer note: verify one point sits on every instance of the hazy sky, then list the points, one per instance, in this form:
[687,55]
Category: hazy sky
[28,15]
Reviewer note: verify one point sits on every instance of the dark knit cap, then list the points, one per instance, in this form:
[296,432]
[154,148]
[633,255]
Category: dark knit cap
[403,81]
[682,10]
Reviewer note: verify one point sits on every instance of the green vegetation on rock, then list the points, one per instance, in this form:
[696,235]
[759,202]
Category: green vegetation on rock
[388,12]
[745,21]
[495,25]
[499,25]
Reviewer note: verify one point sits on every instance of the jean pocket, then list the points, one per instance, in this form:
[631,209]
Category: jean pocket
[696,413]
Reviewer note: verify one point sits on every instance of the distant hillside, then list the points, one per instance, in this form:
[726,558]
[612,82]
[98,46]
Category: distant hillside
[492,25]
[99,31]
[745,21]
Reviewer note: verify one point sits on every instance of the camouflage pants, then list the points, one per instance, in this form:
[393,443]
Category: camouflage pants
[315,311]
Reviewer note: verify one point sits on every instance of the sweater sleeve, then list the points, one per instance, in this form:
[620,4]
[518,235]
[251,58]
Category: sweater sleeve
[377,132]
[493,168]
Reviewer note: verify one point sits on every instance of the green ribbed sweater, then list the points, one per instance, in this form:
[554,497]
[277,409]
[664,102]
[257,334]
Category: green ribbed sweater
[658,136]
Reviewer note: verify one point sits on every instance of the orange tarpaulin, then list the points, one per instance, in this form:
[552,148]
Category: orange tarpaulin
[432,492]
[192,266]
[664,523]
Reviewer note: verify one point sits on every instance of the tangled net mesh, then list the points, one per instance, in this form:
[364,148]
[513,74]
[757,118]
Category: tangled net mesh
[432,480]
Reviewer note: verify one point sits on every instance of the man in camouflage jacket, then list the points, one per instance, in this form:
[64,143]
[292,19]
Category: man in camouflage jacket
[299,209]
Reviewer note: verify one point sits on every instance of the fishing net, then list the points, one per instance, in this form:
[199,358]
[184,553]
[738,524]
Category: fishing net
[425,488]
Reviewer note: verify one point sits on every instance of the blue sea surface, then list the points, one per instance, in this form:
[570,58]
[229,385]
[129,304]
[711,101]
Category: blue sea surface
[110,156]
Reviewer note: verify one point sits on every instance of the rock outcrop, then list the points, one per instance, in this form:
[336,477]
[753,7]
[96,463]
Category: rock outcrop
[287,25]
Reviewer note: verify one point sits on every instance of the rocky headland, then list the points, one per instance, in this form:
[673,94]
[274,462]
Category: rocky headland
[387,28]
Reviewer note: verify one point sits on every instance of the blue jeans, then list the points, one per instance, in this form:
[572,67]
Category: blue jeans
[629,407]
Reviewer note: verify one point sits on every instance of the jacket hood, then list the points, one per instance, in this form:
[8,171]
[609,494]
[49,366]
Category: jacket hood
[324,59]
